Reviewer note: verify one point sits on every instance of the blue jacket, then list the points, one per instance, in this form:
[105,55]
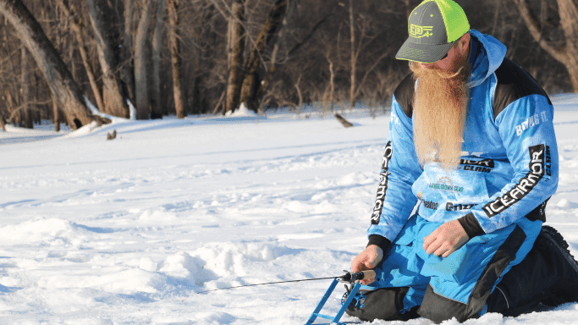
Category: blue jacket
[510,164]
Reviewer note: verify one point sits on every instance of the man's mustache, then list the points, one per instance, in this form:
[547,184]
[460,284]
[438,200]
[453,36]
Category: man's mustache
[420,70]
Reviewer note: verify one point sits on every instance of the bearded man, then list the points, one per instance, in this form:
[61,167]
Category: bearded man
[471,142]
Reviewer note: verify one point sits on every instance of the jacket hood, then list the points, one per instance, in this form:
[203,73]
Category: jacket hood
[486,56]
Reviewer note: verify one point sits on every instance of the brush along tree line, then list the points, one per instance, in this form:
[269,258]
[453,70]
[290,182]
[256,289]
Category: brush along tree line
[209,56]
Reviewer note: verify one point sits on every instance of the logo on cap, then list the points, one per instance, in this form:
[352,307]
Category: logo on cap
[417,31]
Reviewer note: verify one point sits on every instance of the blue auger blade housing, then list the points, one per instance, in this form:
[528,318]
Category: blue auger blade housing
[348,277]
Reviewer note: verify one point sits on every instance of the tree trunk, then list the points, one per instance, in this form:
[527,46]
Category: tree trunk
[127,70]
[101,20]
[25,90]
[217,107]
[251,80]
[568,10]
[77,26]
[10,106]
[140,62]
[157,109]
[274,62]
[197,95]
[173,6]
[56,115]
[567,55]
[299,95]
[331,82]
[236,47]
[59,80]
[353,56]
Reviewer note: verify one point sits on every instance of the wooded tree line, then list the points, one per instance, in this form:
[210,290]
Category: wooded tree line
[209,56]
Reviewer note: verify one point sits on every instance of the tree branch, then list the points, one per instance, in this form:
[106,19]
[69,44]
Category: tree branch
[536,32]
[313,30]
[368,71]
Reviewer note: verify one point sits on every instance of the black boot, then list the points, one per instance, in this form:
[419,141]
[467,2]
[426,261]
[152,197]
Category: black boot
[548,275]
[384,304]
[566,288]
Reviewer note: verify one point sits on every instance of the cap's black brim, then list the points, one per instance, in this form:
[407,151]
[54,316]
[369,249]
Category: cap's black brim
[424,53]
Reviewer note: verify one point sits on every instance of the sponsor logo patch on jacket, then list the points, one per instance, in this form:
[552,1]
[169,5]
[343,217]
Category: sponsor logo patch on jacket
[530,122]
[538,157]
[431,205]
[481,166]
[382,188]
[458,206]
[445,184]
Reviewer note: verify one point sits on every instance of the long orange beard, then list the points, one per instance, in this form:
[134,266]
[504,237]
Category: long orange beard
[440,107]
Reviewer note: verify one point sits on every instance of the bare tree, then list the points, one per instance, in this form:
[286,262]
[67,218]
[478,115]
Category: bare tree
[331,78]
[268,53]
[566,54]
[276,58]
[175,43]
[101,20]
[78,26]
[61,84]
[140,60]
[354,55]
[25,106]
[126,53]
[56,114]
[251,80]
[366,37]
[235,46]
[156,109]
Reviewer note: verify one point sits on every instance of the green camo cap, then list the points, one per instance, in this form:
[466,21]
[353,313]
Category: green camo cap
[434,26]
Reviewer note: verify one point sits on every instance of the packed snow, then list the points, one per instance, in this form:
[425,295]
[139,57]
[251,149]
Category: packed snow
[130,231]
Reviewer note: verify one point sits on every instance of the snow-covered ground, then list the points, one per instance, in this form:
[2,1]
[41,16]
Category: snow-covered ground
[120,232]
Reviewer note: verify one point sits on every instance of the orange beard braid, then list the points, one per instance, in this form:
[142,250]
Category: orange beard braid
[440,107]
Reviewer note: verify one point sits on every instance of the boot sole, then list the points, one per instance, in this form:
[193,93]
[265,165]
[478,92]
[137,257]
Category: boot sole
[560,244]
[554,240]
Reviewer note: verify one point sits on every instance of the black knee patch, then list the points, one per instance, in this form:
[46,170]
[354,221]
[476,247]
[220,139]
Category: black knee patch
[384,304]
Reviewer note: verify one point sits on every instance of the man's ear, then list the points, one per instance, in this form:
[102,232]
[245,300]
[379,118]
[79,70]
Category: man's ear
[464,42]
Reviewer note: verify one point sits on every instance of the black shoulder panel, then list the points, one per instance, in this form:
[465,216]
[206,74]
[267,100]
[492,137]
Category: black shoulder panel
[404,94]
[513,84]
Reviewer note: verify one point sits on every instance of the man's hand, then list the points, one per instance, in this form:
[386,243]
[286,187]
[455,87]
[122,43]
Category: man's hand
[445,240]
[367,260]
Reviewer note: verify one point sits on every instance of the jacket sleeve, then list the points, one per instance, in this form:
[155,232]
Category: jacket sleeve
[399,170]
[527,131]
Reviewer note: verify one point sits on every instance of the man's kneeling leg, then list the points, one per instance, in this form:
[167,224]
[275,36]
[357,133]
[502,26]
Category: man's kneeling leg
[549,274]
[385,304]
